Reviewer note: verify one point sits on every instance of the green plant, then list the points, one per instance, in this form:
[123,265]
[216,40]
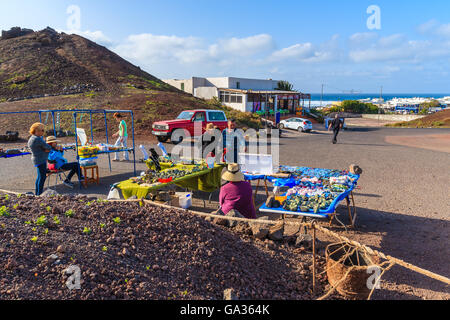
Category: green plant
[102,225]
[6,197]
[117,220]
[41,221]
[56,220]
[27,222]
[105,248]
[46,231]
[15,206]
[4,211]
[69,213]
[34,239]
[48,208]
[87,230]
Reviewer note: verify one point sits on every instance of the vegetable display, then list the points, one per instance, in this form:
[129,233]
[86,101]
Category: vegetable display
[313,189]
[171,174]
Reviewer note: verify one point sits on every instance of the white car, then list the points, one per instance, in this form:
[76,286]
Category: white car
[299,124]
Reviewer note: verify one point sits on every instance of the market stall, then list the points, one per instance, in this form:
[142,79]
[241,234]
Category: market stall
[196,176]
[86,152]
[312,192]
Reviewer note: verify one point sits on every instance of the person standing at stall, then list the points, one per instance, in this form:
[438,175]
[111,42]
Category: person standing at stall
[39,155]
[122,137]
[233,142]
[336,125]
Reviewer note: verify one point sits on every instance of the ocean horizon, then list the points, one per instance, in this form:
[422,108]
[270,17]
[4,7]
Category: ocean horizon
[334,97]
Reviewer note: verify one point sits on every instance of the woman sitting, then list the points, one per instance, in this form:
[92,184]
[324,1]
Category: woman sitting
[236,194]
[58,162]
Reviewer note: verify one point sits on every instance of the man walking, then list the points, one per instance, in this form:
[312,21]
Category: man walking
[336,125]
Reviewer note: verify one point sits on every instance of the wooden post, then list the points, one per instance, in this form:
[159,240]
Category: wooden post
[314,258]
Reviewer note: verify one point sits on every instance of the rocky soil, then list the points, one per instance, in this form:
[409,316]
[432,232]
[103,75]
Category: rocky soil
[131,250]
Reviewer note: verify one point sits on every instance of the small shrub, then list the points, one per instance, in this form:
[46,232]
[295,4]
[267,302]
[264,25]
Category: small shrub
[41,221]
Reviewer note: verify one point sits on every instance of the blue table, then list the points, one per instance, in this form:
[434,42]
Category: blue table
[329,213]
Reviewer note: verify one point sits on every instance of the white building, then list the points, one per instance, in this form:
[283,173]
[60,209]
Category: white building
[247,95]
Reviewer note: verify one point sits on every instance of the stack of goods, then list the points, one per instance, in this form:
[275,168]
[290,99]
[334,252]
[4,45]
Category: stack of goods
[151,177]
[304,203]
[316,189]
[87,156]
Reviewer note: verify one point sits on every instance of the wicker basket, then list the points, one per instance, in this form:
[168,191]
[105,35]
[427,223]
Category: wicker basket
[354,286]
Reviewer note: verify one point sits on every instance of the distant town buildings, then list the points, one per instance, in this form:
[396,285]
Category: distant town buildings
[247,95]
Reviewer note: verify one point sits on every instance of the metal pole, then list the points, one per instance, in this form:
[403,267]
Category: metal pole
[321,97]
[92,131]
[76,147]
[134,150]
[107,140]
[53,120]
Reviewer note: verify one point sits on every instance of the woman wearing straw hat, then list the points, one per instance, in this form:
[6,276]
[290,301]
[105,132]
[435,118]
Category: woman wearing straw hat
[39,155]
[236,194]
[57,161]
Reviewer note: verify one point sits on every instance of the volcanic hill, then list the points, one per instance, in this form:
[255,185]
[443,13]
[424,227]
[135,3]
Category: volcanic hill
[49,70]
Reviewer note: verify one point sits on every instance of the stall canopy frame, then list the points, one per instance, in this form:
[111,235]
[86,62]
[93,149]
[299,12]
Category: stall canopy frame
[75,112]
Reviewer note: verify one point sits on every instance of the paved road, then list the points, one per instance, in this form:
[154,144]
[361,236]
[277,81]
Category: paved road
[403,204]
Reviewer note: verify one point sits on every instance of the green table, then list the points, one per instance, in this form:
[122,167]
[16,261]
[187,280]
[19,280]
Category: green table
[207,180]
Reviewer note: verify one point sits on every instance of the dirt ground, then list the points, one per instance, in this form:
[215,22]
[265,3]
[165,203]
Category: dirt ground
[402,200]
[436,142]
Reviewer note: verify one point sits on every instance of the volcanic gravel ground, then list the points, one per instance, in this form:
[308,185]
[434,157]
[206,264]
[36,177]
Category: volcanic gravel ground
[152,253]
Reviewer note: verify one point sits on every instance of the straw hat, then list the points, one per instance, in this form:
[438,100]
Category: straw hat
[233,173]
[51,139]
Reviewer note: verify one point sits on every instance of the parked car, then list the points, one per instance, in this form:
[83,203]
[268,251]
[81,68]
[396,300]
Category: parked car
[328,120]
[299,124]
[184,124]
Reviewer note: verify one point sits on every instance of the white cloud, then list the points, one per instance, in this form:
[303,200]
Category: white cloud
[244,46]
[427,26]
[298,51]
[361,38]
[444,30]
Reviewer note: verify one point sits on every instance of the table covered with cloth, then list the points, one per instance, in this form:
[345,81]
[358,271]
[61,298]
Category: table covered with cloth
[207,180]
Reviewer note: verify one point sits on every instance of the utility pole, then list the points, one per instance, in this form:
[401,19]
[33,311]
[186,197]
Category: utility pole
[321,96]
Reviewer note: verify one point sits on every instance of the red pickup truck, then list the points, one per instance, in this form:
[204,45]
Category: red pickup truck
[185,123]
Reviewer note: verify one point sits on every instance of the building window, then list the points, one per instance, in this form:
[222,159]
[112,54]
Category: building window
[238,85]
[230,97]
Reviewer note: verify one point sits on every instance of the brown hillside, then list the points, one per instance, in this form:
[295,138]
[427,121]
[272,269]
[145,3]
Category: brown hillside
[48,62]
[439,119]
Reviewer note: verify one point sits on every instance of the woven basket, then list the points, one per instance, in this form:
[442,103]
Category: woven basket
[354,286]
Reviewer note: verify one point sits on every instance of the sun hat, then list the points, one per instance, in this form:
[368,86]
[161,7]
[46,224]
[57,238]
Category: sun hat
[51,139]
[233,173]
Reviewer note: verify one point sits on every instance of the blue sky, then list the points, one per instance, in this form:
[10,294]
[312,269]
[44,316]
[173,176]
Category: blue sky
[306,43]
